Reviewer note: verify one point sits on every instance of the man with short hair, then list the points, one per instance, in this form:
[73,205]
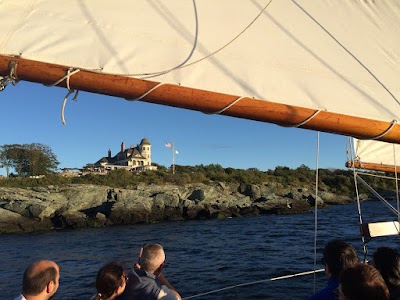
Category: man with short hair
[337,256]
[146,280]
[40,281]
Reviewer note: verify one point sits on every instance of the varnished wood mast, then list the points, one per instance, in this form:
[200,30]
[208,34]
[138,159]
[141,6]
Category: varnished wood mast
[200,100]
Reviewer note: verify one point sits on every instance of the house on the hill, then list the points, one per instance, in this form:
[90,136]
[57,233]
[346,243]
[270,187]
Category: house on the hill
[135,159]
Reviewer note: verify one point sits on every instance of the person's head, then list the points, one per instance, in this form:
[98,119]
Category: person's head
[362,282]
[110,281]
[387,261]
[337,256]
[153,258]
[41,279]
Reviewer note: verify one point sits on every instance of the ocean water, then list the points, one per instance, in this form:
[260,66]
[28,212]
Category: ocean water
[201,255]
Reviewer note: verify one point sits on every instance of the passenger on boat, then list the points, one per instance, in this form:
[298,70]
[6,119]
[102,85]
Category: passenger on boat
[146,280]
[362,282]
[40,281]
[337,256]
[387,261]
[110,282]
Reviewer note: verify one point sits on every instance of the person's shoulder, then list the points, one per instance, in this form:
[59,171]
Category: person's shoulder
[20,297]
[324,294]
[93,297]
[395,293]
[166,294]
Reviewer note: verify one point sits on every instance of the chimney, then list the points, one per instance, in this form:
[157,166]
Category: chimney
[122,147]
[109,153]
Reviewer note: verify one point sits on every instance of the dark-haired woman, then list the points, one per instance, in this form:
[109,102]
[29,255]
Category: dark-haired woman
[387,261]
[362,282]
[110,282]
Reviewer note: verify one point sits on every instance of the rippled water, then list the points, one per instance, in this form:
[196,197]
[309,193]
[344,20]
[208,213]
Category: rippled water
[201,255]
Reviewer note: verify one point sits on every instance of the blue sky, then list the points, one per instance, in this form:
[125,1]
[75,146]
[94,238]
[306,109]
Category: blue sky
[31,113]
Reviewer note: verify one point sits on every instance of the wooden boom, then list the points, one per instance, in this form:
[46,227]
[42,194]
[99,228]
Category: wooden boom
[200,100]
[373,166]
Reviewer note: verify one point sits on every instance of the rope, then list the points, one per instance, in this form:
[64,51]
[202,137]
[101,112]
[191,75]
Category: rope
[383,133]
[65,102]
[305,121]
[393,209]
[183,65]
[397,183]
[375,175]
[226,107]
[364,243]
[254,282]
[316,211]
[13,73]
[66,77]
[234,39]
[148,92]
[11,78]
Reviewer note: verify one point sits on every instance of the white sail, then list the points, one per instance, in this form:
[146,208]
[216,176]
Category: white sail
[377,152]
[339,56]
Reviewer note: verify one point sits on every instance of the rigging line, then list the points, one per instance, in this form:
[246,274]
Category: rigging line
[254,282]
[183,65]
[13,73]
[67,77]
[382,134]
[375,175]
[70,72]
[348,148]
[11,78]
[305,121]
[397,183]
[65,102]
[148,92]
[226,107]
[234,39]
[365,249]
[316,211]
[393,209]
[348,51]
[154,74]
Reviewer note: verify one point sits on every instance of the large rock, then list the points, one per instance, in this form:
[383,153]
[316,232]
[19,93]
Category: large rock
[11,222]
[76,206]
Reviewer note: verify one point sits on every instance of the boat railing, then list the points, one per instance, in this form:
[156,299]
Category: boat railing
[237,286]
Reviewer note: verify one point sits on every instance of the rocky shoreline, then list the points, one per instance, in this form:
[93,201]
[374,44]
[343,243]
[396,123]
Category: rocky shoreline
[80,206]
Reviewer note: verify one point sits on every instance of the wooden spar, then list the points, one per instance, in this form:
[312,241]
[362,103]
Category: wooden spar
[200,100]
[372,166]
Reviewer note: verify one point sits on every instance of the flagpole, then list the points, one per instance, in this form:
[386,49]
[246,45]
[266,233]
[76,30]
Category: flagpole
[173,158]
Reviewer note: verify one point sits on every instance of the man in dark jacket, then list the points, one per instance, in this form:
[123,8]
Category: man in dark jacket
[146,280]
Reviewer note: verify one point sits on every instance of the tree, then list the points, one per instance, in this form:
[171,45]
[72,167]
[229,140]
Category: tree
[6,160]
[29,159]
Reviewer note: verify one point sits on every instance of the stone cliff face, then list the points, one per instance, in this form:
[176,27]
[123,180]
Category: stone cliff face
[78,206]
